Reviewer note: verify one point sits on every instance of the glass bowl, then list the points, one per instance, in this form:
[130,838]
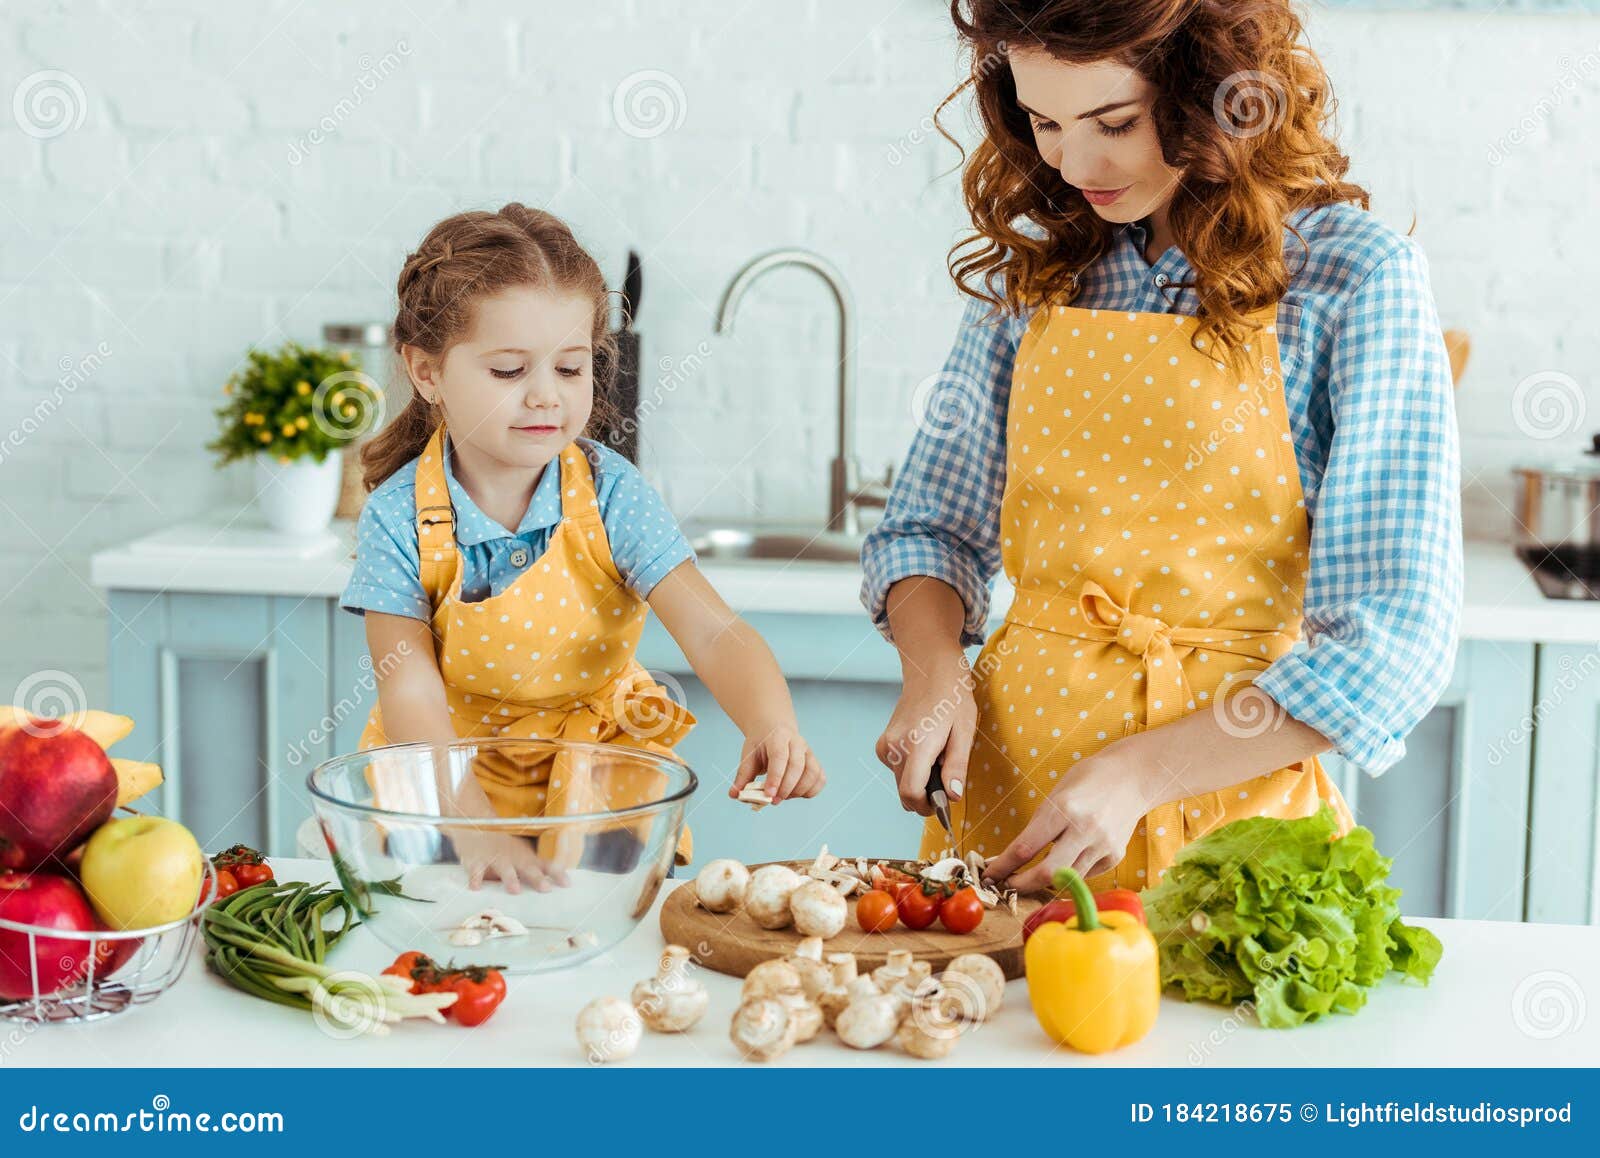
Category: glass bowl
[410,825]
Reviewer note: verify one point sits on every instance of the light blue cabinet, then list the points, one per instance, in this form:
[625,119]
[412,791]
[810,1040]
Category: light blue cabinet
[1564,850]
[239,696]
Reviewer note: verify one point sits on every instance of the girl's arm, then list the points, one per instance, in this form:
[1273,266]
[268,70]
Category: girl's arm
[739,669]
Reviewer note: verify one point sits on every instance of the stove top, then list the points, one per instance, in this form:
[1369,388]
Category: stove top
[1562,574]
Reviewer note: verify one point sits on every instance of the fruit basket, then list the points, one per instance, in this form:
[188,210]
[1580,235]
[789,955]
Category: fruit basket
[56,975]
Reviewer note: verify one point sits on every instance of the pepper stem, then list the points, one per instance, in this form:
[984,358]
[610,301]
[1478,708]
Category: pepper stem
[1082,898]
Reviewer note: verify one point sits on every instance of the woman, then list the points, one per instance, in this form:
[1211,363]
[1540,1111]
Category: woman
[1176,491]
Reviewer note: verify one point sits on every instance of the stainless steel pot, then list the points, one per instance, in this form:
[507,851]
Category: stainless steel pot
[1557,513]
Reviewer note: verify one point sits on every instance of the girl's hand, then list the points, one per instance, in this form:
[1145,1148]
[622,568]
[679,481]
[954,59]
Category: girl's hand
[512,860]
[935,715]
[1086,820]
[789,764]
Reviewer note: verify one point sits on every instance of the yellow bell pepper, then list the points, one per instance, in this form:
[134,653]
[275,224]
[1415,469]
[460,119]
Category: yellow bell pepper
[1094,981]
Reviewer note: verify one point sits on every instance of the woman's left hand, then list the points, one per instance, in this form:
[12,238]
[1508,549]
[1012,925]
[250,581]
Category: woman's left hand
[780,754]
[1085,822]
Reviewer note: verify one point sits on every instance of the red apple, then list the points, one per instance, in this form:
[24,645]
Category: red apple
[50,902]
[56,787]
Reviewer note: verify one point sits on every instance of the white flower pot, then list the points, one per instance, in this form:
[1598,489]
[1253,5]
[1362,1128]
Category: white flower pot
[298,497]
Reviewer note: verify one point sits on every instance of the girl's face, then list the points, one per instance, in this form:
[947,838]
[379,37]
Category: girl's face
[1092,124]
[520,385]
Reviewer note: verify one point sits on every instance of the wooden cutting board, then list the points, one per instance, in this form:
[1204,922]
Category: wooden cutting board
[732,943]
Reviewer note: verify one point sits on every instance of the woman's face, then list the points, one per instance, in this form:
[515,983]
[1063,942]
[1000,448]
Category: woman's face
[1092,124]
[520,385]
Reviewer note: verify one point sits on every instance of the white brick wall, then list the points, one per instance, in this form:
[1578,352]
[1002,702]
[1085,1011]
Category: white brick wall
[172,225]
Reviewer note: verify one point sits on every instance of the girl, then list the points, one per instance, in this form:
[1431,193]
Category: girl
[1216,406]
[504,563]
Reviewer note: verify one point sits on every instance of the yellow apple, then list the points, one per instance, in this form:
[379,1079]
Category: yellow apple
[142,871]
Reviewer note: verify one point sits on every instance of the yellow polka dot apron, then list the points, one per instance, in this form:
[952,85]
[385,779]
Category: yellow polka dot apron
[551,657]
[1154,529]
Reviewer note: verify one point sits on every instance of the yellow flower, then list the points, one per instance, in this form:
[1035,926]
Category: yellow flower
[283,458]
[251,418]
[302,387]
[288,430]
[302,422]
[344,356]
[266,436]
[348,411]
[338,397]
[227,389]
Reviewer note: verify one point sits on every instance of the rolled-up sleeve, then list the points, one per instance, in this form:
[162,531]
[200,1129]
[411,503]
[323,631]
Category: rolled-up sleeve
[943,514]
[1383,597]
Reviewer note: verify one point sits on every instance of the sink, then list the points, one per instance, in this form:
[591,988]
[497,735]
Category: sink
[784,542]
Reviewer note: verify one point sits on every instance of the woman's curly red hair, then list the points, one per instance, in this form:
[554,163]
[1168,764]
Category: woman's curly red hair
[1240,109]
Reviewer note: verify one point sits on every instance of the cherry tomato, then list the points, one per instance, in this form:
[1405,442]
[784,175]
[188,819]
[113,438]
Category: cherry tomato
[227,883]
[251,875]
[476,1000]
[406,964]
[918,909]
[875,912]
[962,912]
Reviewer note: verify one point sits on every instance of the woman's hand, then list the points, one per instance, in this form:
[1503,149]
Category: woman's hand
[782,756]
[1086,822]
[512,860]
[935,716]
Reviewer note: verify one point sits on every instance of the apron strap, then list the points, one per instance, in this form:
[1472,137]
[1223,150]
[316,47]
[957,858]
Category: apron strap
[436,521]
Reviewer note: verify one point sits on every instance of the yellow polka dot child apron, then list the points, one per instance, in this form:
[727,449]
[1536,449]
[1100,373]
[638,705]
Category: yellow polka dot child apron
[550,657]
[1154,529]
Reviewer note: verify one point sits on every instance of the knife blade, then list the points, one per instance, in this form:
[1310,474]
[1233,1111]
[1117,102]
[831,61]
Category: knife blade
[938,798]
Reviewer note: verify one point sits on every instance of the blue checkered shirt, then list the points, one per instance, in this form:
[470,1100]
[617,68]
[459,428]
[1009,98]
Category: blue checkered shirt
[1367,380]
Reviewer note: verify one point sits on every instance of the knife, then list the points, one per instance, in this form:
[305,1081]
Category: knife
[938,798]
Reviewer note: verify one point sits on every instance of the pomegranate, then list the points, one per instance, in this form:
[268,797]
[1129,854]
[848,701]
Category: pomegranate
[56,787]
[50,902]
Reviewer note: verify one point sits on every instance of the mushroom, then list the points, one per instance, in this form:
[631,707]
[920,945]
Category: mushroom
[609,1030]
[869,1020]
[818,910]
[771,978]
[807,962]
[927,1037]
[762,1028]
[671,1001]
[767,900]
[893,971]
[720,886]
[754,796]
[805,1015]
[484,925]
[979,983]
[836,996]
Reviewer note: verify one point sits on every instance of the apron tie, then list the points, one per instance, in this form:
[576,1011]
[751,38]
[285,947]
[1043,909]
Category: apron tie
[1167,827]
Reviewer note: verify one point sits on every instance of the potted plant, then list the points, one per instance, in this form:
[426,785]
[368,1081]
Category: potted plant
[292,412]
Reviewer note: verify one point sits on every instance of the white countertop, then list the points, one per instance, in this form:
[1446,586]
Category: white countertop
[1497,998]
[1502,601]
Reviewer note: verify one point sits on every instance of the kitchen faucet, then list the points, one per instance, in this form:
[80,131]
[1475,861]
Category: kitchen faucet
[848,491]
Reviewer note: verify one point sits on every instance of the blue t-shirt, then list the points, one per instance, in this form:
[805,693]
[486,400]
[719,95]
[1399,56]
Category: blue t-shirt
[645,540]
